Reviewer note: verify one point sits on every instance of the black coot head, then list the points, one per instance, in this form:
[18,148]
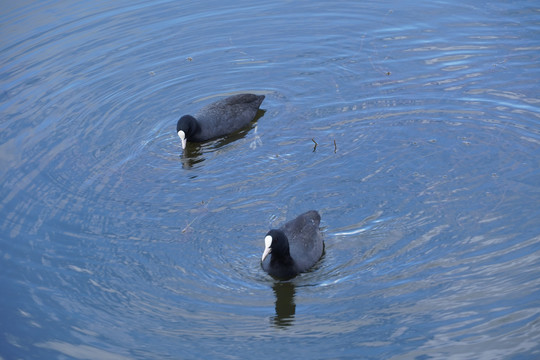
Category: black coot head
[276,243]
[185,128]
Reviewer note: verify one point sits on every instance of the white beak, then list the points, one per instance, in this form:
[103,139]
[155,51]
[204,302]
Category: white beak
[267,248]
[182,136]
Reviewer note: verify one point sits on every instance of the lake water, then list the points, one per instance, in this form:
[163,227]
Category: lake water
[115,244]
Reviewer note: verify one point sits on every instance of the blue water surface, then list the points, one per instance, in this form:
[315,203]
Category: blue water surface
[414,129]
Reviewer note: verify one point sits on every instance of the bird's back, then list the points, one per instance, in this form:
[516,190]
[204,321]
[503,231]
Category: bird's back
[305,240]
[227,115]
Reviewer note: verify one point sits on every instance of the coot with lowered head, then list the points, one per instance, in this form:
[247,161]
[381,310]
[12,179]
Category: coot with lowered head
[293,248]
[219,118]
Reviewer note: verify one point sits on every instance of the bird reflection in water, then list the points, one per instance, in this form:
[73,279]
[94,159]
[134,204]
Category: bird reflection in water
[285,306]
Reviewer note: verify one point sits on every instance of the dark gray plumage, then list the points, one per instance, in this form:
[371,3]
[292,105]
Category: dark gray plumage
[293,248]
[219,118]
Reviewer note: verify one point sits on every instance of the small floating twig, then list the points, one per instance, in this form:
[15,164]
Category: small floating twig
[314,147]
[335,146]
[205,209]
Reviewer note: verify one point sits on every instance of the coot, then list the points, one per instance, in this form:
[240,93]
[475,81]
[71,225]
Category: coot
[219,118]
[293,248]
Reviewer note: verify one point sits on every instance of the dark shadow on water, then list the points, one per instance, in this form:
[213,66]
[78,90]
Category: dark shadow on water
[285,306]
[194,152]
